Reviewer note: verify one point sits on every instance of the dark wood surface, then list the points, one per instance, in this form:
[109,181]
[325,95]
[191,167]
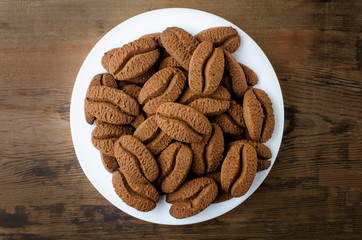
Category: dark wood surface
[314,190]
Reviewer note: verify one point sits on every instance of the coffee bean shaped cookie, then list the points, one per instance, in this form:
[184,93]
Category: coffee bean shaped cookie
[151,135]
[206,69]
[208,155]
[169,62]
[269,121]
[155,37]
[232,121]
[238,169]
[104,136]
[174,162]
[209,105]
[103,79]
[141,195]
[133,59]
[262,151]
[221,195]
[258,114]
[183,123]
[110,163]
[111,105]
[134,159]
[234,77]
[192,197]
[179,44]
[224,37]
[251,77]
[164,86]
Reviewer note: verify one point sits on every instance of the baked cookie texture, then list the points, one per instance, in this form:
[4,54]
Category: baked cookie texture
[192,197]
[206,69]
[223,37]
[178,115]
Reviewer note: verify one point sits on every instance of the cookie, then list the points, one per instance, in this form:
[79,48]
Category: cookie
[174,162]
[179,44]
[262,165]
[262,151]
[169,62]
[232,121]
[258,114]
[223,37]
[109,162]
[269,121]
[138,119]
[103,79]
[221,195]
[183,123]
[141,195]
[142,78]
[132,90]
[209,105]
[206,69]
[234,77]
[152,136]
[155,37]
[111,105]
[134,159]
[164,86]
[104,136]
[192,197]
[250,75]
[238,169]
[208,155]
[132,59]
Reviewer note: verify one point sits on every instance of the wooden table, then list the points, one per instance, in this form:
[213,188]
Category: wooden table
[313,191]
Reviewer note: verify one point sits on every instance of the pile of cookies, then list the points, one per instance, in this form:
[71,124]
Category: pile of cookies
[176,114]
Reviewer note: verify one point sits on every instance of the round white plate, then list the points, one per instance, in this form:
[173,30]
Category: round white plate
[192,21]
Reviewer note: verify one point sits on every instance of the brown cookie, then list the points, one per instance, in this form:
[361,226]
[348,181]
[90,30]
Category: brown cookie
[221,195]
[164,86]
[174,162]
[209,105]
[169,62]
[269,121]
[104,136]
[234,77]
[192,197]
[103,79]
[251,77]
[132,59]
[134,159]
[155,37]
[258,114]
[238,169]
[262,150]
[208,155]
[111,105]
[132,90]
[141,195]
[151,135]
[206,69]
[179,44]
[109,162]
[139,119]
[224,37]
[262,165]
[183,123]
[232,121]
[142,78]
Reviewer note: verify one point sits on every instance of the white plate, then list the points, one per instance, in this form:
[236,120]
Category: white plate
[192,21]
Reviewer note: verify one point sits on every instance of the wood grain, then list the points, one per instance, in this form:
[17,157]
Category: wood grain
[314,190]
